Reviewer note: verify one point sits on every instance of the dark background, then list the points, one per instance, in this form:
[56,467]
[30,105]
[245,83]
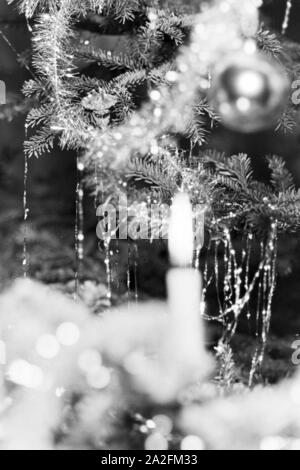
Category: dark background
[52,181]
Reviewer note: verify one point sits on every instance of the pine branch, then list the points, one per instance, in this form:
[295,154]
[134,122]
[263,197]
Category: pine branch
[287,121]
[281,178]
[82,85]
[108,59]
[39,116]
[38,89]
[269,43]
[172,27]
[30,7]
[203,120]
[160,176]
[123,10]
[41,142]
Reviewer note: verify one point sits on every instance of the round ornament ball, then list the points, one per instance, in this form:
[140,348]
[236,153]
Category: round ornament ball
[249,92]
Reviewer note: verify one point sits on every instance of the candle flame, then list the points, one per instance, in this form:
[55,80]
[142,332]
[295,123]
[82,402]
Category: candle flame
[181,233]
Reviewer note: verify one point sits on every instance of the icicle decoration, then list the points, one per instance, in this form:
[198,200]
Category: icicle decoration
[128,275]
[206,279]
[96,185]
[25,256]
[287,16]
[135,271]
[235,287]
[107,261]
[247,257]
[266,292]
[117,265]
[132,273]
[79,225]
[216,274]
[105,245]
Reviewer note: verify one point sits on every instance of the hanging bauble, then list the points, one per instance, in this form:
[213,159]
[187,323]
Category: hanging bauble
[249,92]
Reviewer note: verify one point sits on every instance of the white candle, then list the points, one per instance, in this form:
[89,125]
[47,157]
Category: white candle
[181,232]
[184,285]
